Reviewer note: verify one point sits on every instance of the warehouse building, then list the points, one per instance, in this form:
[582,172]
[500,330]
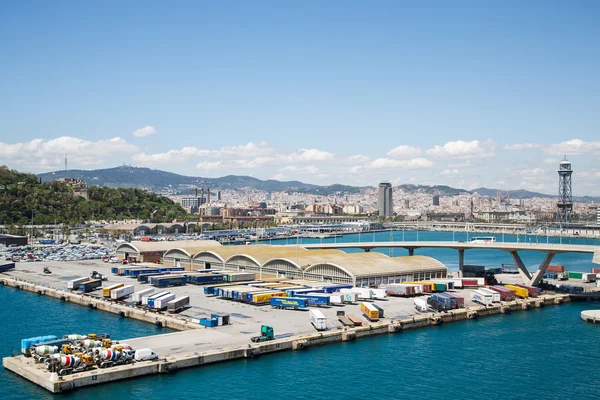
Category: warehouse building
[362,269]
[139,251]
[12,240]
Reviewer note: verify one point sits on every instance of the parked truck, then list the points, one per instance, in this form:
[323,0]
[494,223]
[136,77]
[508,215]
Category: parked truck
[165,281]
[137,296]
[176,305]
[106,291]
[160,303]
[90,285]
[318,320]
[519,291]
[480,297]
[370,311]
[289,302]
[122,292]
[74,283]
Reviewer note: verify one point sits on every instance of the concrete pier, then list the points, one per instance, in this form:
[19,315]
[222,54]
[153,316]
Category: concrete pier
[172,360]
[592,316]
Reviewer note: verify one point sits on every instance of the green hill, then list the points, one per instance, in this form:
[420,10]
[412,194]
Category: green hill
[22,197]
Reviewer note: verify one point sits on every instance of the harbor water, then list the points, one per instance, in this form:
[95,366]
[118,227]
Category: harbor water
[547,353]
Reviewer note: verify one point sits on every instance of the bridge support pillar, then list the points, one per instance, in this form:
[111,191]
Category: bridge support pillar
[367,250]
[525,275]
[461,261]
[539,274]
[411,252]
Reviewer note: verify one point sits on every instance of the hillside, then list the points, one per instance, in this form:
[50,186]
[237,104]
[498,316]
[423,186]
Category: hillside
[24,197]
[526,194]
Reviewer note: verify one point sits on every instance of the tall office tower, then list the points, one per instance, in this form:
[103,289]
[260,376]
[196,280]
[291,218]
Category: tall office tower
[384,199]
[436,200]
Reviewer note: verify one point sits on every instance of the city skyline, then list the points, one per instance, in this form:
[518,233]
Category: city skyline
[336,93]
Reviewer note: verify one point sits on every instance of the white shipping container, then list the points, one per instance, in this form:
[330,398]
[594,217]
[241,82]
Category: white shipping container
[318,320]
[122,292]
[350,297]
[336,298]
[421,305]
[153,296]
[74,284]
[162,301]
[137,296]
[482,297]
[495,295]
[241,276]
[378,294]
[588,277]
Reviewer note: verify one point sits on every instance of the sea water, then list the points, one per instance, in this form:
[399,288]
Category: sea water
[547,353]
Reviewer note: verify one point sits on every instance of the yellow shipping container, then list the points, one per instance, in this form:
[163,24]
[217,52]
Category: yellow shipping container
[519,291]
[266,297]
[371,313]
[106,291]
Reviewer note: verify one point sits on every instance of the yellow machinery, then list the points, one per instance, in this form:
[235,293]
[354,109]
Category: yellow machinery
[92,336]
[106,342]
[67,349]
[87,360]
[118,348]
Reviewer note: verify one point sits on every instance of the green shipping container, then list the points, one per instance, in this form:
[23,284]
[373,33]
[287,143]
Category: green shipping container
[575,275]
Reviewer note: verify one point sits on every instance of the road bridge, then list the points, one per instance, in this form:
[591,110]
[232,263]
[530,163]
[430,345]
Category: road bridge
[511,247]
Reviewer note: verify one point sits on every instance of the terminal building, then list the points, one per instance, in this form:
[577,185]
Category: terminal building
[294,262]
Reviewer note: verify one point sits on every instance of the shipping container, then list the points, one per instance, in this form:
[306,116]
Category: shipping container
[122,292]
[441,302]
[240,277]
[480,297]
[378,309]
[264,298]
[318,320]
[588,277]
[332,288]
[288,302]
[369,311]
[137,296]
[349,297]
[106,291]
[506,294]
[363,293]
[175,280]
[170,269]
[473,282]
[531,290]
[316,299]
[555,268]
[143,277]
[90,285]
[208,278]
[178,304]
[496,298]
[134,273]
[336,298]
[398,289]
[595,271]
[575,275]
[149,300]
[379,294]
[7,267]
[494,270]
[519,291]
[74,283]
[296,292]
[460,301]
[160,303]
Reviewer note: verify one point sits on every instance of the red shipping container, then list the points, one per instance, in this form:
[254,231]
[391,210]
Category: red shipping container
[595,270]
[469,282]
[556,268]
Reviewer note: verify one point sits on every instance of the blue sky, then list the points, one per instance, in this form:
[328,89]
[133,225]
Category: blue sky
[467,93]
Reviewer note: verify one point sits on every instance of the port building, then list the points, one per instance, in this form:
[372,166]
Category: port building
[294,262]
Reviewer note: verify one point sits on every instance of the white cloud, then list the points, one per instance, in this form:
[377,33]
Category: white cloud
[80,152]
[531,172]
[573,147]
[358,158]
[208,165]
[449,172]
[170,157]
[246,150]
[552,161]
[309,155]
[257,162]
[522,146]
[309,169]
[404,152]
[462,149]
[400,164]
[144,132]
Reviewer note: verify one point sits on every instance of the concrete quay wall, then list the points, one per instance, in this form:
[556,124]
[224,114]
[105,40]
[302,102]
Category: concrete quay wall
[166,321]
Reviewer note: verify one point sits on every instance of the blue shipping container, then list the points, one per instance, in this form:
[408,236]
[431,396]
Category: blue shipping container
[6,267]
[289,302]
[335,288]
[316,299]
[169,281]
[297,292]
[208,278]
[170,269]
[144,278]
[143,271]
